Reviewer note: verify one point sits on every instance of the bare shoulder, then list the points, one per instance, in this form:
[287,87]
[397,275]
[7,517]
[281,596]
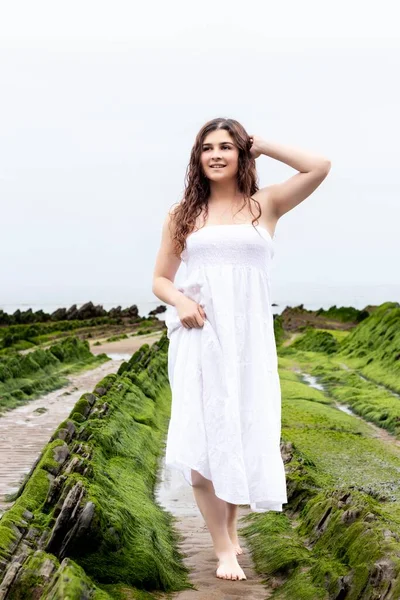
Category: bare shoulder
[168,224]
[269,217]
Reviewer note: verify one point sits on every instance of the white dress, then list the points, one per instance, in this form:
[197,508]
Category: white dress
[226,396]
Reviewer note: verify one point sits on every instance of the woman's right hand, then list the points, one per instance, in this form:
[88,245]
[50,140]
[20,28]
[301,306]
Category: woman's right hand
[190,313]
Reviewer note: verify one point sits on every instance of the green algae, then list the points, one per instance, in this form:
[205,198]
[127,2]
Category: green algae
[347,380]
[24,377]
[344,314]
[131,543]
[115,338]
[279,332]
[18,336]
[316,340]
[339,534]
[296,389]
[375,344]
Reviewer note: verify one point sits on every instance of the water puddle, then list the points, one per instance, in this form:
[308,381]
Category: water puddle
[119,355]
[313,382]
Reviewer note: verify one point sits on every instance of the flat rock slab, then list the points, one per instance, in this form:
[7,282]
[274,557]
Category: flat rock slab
[176,496]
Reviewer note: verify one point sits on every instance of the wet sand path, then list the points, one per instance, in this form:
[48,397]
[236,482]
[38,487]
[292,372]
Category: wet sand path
[24,431]
[176,496]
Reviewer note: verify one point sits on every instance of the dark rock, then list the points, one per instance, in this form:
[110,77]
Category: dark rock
[323,522]
[91,398]
[72,313]
[100,391]
[65,519]
[79,529]
[59,315]
[61,434]
[74,465]
[32,534]
[381,571]
[370,517]
[15,542]
[12,574]
[89,311]
[47,569]
[287,451]
[71,429]
[55,490]
[344,584]
[132,311]
[56,588]
[81,449]
[43,539]
[158,310]
[349,516]
[60,453]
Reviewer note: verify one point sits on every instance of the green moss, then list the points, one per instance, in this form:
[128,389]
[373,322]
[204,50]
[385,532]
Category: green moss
[339,535]
[316,341]
[24,377]
[115,338]
[82,406]
[71,582]
[131,543]
[344,314]
[375,344]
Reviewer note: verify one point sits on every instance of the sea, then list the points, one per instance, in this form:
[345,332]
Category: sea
[311,295]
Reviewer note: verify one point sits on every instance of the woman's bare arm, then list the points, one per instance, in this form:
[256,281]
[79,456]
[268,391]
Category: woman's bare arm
[166,266]
[282,197]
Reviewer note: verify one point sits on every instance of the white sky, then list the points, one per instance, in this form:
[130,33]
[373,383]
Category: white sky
[100,103]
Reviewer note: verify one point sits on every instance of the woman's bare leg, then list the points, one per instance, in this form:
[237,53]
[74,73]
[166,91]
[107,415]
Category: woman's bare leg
[214,511]
[232,513]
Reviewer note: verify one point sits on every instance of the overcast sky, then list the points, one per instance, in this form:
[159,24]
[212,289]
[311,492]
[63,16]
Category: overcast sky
[101,102]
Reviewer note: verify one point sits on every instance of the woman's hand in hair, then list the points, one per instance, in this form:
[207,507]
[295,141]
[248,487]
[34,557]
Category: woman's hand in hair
[190,313]
[255,148]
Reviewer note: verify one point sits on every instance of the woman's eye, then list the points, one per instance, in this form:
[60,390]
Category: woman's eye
[223,147]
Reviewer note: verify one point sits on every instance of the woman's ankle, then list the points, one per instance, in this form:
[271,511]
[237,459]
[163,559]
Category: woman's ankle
[224,549]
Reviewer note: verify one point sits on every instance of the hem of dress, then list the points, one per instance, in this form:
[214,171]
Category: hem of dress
[274,505]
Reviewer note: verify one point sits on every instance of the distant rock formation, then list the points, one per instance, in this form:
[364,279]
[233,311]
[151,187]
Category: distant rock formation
[86,311]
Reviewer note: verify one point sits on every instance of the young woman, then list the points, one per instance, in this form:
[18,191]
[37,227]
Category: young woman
[224,432]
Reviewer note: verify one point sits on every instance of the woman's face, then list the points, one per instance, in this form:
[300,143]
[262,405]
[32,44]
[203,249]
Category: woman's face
[219,149]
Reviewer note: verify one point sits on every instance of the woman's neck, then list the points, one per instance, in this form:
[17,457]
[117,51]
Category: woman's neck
[224,193]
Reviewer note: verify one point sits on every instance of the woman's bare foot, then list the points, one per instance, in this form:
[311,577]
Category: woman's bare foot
[235,540]
[228,566]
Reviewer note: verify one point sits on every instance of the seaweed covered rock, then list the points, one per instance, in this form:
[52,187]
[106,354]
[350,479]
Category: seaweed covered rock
[377,338]
[316,341]
[339,535]
[24,377]
[86,519]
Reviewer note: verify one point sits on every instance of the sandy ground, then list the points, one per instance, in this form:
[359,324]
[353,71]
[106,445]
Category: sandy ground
[123,348]
[176,496]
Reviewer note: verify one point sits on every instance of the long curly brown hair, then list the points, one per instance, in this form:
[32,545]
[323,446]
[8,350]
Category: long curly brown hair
[197,185]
